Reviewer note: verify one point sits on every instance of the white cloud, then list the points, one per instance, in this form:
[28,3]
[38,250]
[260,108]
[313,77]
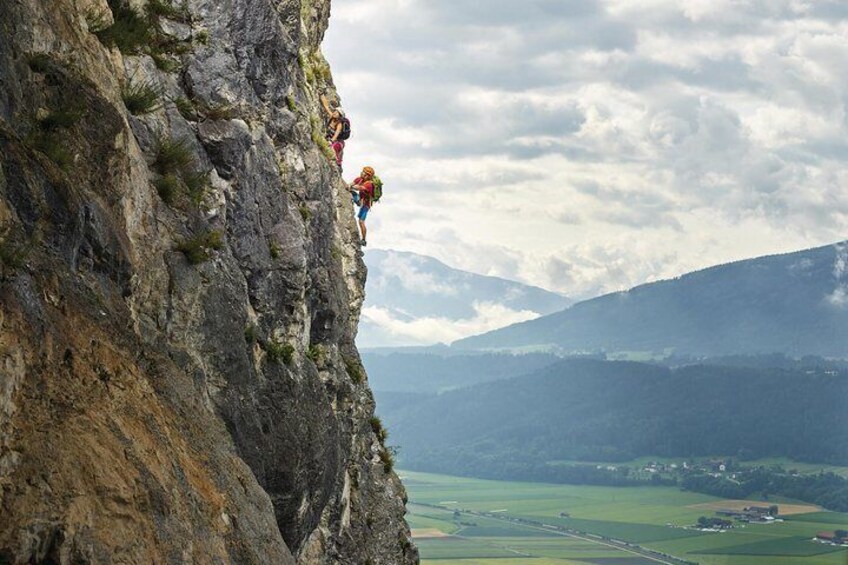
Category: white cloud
[839,296]
[404,271]
[590,146]
[426,330]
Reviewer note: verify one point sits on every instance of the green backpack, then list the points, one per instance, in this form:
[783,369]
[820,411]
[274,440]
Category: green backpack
[378,189]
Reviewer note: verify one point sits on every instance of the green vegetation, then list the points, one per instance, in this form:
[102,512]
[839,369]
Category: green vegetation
[793,547]
[166,9]
[186,108]
[142,98]
[378,429]
[13,255]
[48,137]
[135,33]
[305,213]
[40,63]
[833,518]
[61,118]
[130,32]
[274,250]
[290,103]
[315,353]
[165,63]
[168,187]
[176,166]
[251,334]
[279,352]
[52,146]
[198,249]
[216,111]
[475,516]
[196,183]
[172,155]
[319,139]
[201,37]
[598,411]
[388,459]
[354,371]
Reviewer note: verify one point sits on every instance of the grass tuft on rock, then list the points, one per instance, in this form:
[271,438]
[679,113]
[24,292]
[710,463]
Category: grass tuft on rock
[388,460]
[40,63]
[62,118]
[142,98]
[315,353]
[49,144]
[186,108]
[305,213]
[279,352]
[354,371]
[172,155]
[216,112]
[274,250]
[378,429]
[130,32]
[165,63]
[197,185]
[167,9]
[13,255]
[168,188]
[199,248]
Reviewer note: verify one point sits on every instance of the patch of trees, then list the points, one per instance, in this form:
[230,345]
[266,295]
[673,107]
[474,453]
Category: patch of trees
[709,522]
[825,489]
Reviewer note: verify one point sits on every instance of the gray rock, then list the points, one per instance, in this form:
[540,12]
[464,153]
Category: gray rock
[157,409]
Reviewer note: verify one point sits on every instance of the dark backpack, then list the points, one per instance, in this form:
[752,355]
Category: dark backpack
[378,189]
[345,134]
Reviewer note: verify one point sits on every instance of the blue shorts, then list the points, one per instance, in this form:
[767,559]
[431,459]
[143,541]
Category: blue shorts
[363,213]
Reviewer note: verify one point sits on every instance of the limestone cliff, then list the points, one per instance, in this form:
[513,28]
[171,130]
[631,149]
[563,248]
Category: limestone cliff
[180,287]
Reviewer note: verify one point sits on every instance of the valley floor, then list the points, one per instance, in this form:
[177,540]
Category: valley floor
[460,521]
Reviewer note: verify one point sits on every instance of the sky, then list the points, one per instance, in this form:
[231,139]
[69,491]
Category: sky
[588,146]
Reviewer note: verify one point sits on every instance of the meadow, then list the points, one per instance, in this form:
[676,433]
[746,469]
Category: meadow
[460,521]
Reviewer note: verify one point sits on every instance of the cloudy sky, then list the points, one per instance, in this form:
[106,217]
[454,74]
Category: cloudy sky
[587,146]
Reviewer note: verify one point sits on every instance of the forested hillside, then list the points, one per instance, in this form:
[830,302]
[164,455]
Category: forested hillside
[615,411]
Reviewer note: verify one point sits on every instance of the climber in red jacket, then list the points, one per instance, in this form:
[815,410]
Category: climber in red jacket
[362,190]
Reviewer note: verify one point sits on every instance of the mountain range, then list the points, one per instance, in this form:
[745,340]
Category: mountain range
[795,304]
[417,300]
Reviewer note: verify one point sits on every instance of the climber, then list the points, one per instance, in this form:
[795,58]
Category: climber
[362,190]
[338,129]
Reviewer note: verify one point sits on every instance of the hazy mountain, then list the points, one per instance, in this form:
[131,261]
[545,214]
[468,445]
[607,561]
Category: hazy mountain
[417,300]
[795,304]
[429,372]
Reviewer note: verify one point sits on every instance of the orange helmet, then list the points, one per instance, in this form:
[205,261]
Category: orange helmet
[368,171]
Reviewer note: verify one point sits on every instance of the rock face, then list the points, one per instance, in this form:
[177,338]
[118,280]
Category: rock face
[180,287]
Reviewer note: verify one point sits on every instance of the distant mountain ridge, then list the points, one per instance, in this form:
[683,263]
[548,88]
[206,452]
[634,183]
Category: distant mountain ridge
[795,303]
[413,299]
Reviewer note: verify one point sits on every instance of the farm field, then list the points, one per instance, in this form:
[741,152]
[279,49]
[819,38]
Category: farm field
[460,521]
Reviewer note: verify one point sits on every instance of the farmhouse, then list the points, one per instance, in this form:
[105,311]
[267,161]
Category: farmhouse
[826,536]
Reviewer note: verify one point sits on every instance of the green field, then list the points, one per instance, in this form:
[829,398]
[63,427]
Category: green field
[652,517]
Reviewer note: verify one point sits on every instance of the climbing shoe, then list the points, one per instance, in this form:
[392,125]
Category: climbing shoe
[363,243]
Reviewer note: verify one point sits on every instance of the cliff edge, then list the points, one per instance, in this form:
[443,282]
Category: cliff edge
[180,286]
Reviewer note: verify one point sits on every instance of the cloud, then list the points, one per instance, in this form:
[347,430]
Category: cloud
[589,146]
[404,271]
[427,330]
[839,296]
